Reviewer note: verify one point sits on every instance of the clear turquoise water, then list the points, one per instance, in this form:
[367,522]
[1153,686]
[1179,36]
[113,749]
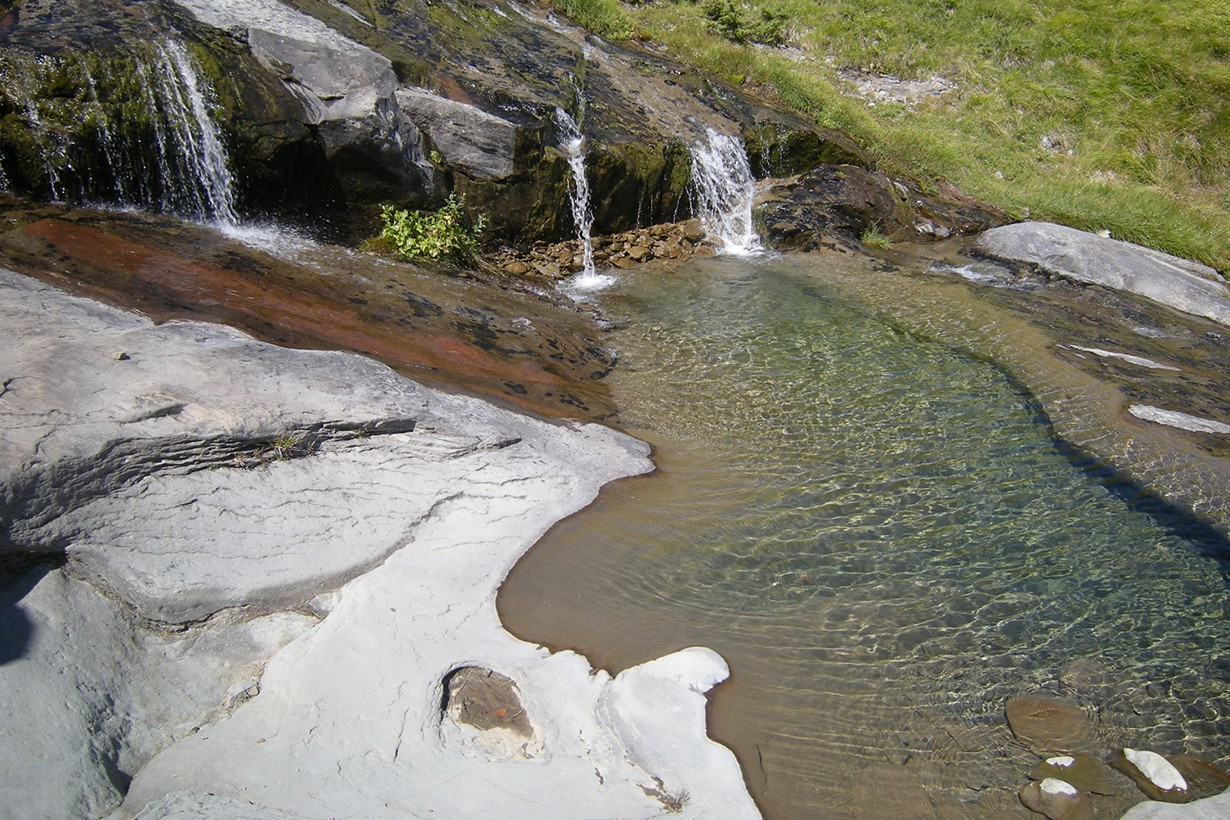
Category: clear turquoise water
[886,541]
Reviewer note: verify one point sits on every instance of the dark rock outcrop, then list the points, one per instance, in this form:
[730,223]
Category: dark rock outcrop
[836,205]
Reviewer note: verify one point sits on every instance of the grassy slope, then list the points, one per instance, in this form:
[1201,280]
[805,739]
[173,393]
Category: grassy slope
[1137,92]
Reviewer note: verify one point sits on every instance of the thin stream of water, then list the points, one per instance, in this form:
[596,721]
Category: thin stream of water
[882,536]
[572,144]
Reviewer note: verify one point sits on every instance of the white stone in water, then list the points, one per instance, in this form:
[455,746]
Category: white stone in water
[1053,785]
[1127,357]
[1062,762]
[1157,768]
[1173,418]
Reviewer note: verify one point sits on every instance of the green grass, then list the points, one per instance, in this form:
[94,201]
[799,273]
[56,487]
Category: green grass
[1137,93]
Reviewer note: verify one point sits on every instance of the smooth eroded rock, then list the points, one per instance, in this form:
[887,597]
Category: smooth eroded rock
[1056,799]
[1086,257]
[1049,725]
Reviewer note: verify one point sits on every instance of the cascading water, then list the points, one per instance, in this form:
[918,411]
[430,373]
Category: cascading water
[198,146]
[724,190]
[572,145]
[136,132]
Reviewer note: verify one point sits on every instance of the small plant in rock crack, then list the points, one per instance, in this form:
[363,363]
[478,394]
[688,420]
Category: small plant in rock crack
[673,803]
[873,237]
[281,448]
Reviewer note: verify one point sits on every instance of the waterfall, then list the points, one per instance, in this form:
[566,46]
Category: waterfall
[198,146]
[138,133]
[724,191]
[572,145]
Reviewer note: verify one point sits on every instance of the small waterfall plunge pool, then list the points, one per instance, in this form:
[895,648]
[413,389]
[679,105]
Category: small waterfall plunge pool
[880,532]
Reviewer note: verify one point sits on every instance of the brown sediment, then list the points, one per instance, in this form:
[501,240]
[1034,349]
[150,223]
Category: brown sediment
[475,333]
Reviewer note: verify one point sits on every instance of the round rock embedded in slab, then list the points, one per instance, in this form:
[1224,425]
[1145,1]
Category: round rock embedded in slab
[1057,799]
[1050,725]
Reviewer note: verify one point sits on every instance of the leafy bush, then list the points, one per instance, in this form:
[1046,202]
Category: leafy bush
[740,23]
[448,233]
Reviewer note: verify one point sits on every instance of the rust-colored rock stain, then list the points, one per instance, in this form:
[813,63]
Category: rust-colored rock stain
[474,332]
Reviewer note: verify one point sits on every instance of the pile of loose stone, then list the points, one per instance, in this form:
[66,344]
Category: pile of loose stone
[671,241]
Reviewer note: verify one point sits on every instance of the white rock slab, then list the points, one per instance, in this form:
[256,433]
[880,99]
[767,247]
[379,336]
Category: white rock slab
[1139,361]
[1086,257]
[1210,808]
[402,535]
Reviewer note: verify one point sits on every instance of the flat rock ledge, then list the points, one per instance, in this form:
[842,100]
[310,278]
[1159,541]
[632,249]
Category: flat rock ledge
[1092,259]
[239,578]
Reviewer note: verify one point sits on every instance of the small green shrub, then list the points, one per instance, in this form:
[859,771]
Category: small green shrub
[446,234]
[740,23]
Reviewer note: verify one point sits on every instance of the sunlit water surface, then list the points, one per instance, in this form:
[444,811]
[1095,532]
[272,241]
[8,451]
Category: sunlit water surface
[882,536]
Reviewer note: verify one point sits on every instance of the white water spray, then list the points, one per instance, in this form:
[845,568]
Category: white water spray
[199,146]
[572,145]
[725,189]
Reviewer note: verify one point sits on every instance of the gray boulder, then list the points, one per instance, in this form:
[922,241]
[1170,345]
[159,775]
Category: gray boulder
[479,144]
[1085,257]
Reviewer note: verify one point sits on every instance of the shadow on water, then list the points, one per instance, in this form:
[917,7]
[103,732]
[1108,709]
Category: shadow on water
[1206,539]
[17,578]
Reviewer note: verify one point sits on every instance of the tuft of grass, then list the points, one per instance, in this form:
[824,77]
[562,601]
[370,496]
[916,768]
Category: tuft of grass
[1095,113]
[609,18]
[873,238]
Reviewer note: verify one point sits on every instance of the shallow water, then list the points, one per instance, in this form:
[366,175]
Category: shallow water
[883,537]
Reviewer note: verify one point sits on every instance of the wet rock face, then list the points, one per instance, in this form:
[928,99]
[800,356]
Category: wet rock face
[327,110]
[478,332]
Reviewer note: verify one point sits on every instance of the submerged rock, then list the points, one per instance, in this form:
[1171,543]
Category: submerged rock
[1092,259]
[1083,771]
[1154,774]
[1049,725]
[1057,800]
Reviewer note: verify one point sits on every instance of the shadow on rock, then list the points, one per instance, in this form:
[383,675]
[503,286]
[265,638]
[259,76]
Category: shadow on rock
[16,628]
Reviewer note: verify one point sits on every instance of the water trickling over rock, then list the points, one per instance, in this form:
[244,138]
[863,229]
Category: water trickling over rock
[572,145]
[724,191]
[133,130]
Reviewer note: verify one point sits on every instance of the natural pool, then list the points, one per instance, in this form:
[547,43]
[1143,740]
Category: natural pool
[882,535]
